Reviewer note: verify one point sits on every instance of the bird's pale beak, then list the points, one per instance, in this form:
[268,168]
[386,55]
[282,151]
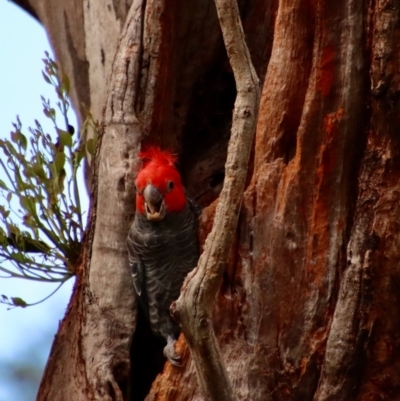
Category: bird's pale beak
[154,203]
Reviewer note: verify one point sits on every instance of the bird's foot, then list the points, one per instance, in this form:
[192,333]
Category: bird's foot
[170,354]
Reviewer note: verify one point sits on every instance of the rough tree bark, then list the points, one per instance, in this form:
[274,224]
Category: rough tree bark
[308,306]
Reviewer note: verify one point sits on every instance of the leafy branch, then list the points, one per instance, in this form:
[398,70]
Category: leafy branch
[41,219]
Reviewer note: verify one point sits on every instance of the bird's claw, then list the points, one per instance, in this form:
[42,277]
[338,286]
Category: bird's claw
[171,355]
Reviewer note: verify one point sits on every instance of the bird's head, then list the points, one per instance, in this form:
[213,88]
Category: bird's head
[159,188]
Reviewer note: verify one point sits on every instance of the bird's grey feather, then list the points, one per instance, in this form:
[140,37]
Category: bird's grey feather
[161,254]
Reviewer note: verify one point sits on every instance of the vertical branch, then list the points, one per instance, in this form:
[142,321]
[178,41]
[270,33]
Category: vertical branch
[193,309]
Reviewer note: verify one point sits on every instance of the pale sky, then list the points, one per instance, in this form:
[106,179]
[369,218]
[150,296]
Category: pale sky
[30,330]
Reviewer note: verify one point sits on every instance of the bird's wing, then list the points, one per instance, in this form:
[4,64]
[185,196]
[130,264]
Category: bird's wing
[194,207]
[136,266]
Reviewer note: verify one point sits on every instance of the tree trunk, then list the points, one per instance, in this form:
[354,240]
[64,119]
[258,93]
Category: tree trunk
[308,305]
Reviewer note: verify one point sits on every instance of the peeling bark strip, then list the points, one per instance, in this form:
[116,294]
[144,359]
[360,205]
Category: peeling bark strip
[194,307]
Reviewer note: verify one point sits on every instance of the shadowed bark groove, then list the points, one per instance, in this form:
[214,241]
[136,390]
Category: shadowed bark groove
[373,250]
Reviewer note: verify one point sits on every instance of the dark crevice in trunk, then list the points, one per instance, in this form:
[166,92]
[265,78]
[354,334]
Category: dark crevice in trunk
[147,359]
[207,132]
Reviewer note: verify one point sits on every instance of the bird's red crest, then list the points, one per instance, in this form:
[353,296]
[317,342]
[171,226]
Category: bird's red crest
[159,170]
[155,154]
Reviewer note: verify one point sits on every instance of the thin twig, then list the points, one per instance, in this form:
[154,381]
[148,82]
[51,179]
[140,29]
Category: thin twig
[194,307]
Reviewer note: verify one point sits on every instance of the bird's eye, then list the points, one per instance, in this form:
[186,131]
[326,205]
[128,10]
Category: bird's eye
[170,185]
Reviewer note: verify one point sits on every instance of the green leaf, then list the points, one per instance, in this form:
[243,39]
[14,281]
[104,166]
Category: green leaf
[65,137]
[46,77]
[78,155]
[14,136]
[5,213]
[25,203]
[12,229]
[21,185]
[19,243]
[22,140]
[38,171]
[91,146]
[17,301]
[65,83]
[9,196]
[19,138]
[61,179]
[3,184]
[59,161]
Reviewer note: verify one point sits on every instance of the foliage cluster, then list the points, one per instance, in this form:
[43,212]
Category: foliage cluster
[41,219]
